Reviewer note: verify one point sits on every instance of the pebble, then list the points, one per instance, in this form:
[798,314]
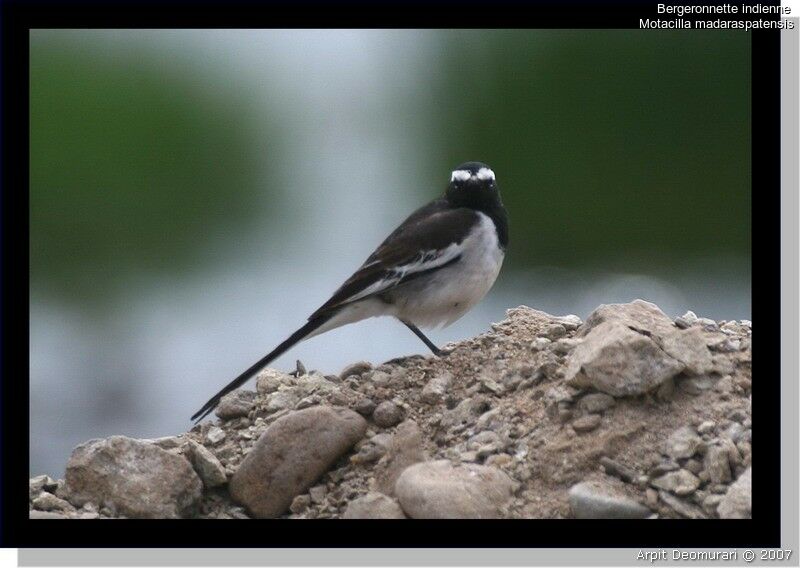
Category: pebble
[599,500]
[49,502]
[358,368]
[443,490]
[555,331]
[405,449]
[686,320]
[681,507]
[387,414]
[619,470]
[596,402]
[215,435]
[365,407]
[679,482]
[682,443]
[587,423]
[570,322]
[269,380]
[435,389]
[207,466]
[696,385]
[706,427]
[374,505]
[540,344]
[235,404]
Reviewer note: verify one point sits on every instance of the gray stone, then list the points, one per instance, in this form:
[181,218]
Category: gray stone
[387,414]
[365,407]
[207,466]
[683,508]
[373,449]
[679,482]
[619,470]
[619,361]
[689,348]
[682,443]
[555,331]
[540,344]
[235,404]
[598,500]
[215,435]
[406,449]
[373,506]
[443,490]
[570,322]
[596,402]
[686,320]
[355,369]
[41,483]
[137,479]
[45,515]
[269,380]
[587,423]
[49,502]
[283,399]
[291,455]
[696,385]
[716,465]
[435,389]
[706,427]
[738,501]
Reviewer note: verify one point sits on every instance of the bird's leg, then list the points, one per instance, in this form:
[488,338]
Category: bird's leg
[425,340]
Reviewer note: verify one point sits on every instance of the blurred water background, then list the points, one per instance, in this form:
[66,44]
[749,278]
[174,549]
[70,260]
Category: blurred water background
[195,194]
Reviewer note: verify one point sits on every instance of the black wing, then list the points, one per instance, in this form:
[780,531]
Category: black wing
[427,240]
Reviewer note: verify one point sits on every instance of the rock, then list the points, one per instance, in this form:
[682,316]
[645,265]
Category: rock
[598,500]
[555,331]
[291,455]
[137,479]
[387,414]
[619,361]
[282,400]
[596,403]
[696,385]
[269,380]
[466,410]
[679,482]
[738,501]
[619,470]
[45,515]
[373,449]
[406,449]
[682,443]
[681,507]
[49,502]
[716,465]
[689,348]
[686,320]
[706,427]
[365,407]
[435,389]
[443,490]
[41,483]
[207,466]
[587,423]
[540,344]
[235,404]
[300,503]
[215,435]
[374,506]
[570,322]
[355,369]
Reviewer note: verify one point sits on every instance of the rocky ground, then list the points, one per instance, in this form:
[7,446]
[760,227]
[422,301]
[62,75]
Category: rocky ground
[627,415]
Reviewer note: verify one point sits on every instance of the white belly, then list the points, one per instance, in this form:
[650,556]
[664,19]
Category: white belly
[447,294]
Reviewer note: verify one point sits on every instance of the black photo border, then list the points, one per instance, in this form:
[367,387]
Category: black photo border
[20,531]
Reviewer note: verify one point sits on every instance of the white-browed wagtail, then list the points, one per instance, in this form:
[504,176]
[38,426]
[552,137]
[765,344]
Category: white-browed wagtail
[429,272]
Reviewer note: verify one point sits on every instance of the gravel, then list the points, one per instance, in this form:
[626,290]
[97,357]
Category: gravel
[628,414]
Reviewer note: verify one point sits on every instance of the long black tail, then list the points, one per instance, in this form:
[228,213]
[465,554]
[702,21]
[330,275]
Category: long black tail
[295,338]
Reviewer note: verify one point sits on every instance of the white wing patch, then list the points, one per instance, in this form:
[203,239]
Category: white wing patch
[424,261]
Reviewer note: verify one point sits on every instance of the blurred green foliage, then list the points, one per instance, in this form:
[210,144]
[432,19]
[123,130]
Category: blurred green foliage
[622,145]
[133,165]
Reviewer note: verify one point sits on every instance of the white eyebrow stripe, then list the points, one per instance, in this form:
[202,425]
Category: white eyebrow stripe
[460,175]
[485,173]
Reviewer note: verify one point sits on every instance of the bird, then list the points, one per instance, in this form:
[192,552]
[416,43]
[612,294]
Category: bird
[432,269]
